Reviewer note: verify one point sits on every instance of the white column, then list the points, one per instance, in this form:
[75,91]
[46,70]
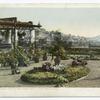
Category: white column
[32,36]
[16,33]
[16,37]
[9,39]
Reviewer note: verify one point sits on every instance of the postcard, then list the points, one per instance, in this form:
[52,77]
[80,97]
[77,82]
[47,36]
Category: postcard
[49,50]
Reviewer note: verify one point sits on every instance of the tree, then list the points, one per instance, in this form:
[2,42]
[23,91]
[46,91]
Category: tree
[57,47]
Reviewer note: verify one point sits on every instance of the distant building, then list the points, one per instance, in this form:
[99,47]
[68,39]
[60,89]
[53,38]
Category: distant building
[76,41]
[43,38]
[94,45]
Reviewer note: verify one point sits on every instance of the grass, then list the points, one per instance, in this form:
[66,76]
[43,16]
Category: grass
[73,73]
[55,77]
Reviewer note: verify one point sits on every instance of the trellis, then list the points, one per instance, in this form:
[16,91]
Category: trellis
[13,25]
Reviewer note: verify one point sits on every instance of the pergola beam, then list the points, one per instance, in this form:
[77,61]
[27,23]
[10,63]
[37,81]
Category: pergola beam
[5,24]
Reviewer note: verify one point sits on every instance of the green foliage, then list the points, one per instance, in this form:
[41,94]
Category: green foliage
[3,58]
[58,50]
[38,52]
[73,73]
[20,54]
[14,56]
[43,78]
[6,58]
[58,46]
[62,53]
[44,56]
[57,77]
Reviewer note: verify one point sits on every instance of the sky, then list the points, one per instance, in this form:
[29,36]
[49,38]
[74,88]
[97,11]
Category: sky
[75,21]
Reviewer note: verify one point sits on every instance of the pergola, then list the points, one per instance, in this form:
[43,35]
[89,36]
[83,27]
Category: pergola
[12,25]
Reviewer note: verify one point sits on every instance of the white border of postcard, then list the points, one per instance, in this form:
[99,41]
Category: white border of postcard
[41,91]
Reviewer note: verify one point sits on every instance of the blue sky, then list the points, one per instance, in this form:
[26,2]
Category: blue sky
[77,21]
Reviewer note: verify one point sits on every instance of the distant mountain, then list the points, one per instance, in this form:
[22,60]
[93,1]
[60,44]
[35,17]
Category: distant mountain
[95,39]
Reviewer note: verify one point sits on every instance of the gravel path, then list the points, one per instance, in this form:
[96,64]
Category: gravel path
[92,80]
[8,80]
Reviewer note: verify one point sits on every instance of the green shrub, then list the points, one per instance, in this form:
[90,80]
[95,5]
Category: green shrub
[73,73]
[43,78]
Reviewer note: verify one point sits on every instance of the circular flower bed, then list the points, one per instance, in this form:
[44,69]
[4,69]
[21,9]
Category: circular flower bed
[43,78]
[49,76]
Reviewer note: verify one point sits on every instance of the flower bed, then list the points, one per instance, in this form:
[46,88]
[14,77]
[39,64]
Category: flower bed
[43,78]
[54,77]
[73,73]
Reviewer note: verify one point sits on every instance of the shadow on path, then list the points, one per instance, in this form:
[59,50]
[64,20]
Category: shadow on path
[19,81]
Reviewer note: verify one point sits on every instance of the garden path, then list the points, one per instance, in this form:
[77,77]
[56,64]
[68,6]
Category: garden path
[92,80]
[8,80]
